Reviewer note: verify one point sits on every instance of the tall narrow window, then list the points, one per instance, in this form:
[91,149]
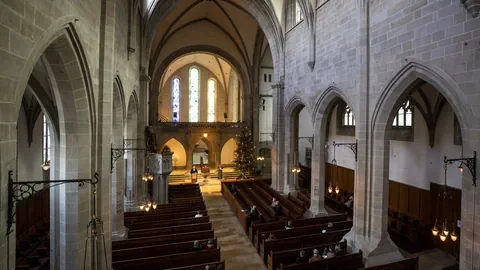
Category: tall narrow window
[176,100]
[211,100]
[348,118]
[46,140]
[404,117]
[298,13]
[194,95]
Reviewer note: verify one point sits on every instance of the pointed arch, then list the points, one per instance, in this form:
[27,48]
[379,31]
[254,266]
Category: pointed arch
[194,76]
[227,155]
[179,157]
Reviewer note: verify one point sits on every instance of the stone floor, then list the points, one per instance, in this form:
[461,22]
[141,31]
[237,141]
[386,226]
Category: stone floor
[236,249]
[432,259]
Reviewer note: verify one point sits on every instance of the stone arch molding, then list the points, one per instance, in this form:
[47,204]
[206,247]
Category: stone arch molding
[388,103]
[324,102]
[293,104]
[73,94]
[417,69]
[119,86]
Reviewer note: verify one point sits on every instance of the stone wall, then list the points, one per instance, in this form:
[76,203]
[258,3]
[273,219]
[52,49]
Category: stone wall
[90,48]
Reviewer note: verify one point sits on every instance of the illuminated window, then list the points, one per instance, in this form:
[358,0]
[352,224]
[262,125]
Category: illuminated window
[404,116]
[193,110]
[211,100]
[46,139]
[176,99]
[348,118]
[298,13]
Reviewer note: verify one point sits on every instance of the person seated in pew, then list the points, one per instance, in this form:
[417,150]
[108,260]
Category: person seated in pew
[289,225]
[253,214]
[330,253]
[233,189]
[270,238]
[325,252]
[197,246]
[278,209]
[303,257]
[330,225]
[198,215]
[210,245]
[273,202]
[316,256]
[339,251]
[349,203]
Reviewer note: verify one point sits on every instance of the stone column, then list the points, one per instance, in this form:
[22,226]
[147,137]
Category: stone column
[131,175]
[278,149]
[161,167]
[140,190]
[370,218]
[317,205]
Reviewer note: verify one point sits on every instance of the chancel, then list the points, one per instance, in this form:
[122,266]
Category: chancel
[239,134]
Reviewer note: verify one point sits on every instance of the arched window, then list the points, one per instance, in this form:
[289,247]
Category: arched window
[194,96]
[211,100]
[176,100]
[298,13]
[348,118]
[404,115]
[46,140]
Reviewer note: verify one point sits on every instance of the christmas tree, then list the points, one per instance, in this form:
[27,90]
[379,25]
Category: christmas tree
[245,153]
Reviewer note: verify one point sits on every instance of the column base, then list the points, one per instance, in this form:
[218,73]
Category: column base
[290,189]
[317,212]
[120,235]
[375,252]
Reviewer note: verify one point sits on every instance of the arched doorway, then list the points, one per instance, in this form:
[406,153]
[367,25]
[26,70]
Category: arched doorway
[227,156]
[179,157]
[200,153]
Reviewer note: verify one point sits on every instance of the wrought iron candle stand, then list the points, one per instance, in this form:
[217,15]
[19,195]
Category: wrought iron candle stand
[19,191]
[351,146]
[470,163]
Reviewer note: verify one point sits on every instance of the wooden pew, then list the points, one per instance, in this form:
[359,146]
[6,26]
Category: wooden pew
[156,250]
[157,211]
[212,265]
[300,241]
[160,240]
[237,207]
[407,264]
[286,257]
[245,196]
[283,201]
[177,205]
[348,262]
[298,231]
[157,217]
[169,261]
[262,207]
[297,201]
[267,199]
[256,229]
[302,196]
[166,223]
[169,230]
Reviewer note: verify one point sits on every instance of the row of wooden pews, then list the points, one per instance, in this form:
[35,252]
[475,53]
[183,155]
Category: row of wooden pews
[165,238]
[280,246]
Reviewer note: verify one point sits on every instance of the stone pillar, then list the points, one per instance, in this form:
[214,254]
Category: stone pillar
[131,175]
[278,149]
[370,218]
[140,190]
[317,205]
[161,167]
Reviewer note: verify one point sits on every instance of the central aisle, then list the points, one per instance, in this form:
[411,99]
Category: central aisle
[236,249]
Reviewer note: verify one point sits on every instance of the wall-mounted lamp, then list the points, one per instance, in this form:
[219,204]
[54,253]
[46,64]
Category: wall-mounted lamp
[205,135]
[470,163]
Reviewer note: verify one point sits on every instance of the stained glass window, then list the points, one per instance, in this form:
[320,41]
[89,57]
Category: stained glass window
[194,96]
[176,100]
[211,100]
[348,118]
[46,139]
[404,115]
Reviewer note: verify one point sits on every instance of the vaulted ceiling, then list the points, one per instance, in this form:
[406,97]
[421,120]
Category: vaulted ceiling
[224,28]
[214,63]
